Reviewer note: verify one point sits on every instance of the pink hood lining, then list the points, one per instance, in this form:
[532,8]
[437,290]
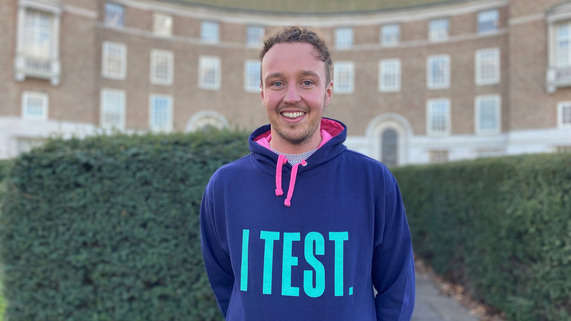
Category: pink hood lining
[329,129]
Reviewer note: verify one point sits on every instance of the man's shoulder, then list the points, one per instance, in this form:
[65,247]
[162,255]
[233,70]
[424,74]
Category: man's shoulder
[235,166]
[364,160]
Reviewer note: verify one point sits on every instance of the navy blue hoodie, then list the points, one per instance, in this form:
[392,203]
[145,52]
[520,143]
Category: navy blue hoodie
[327,239]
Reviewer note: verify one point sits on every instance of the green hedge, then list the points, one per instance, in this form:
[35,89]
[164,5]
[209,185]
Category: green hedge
[500,226]
[4,169]
[107,228]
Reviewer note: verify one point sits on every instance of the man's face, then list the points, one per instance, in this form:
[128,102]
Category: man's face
[294,92]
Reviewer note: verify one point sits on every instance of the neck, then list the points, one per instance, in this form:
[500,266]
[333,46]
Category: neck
[280,145]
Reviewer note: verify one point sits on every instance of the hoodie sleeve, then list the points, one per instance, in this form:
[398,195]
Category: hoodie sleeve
[393,263]
[216,259]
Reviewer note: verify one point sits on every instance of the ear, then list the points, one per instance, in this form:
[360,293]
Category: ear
[261,91]
[328,92]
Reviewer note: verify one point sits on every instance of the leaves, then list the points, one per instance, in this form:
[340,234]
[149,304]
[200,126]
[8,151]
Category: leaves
[500,227]
[106,228]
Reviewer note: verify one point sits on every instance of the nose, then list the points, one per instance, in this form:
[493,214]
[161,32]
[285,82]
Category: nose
[292,95]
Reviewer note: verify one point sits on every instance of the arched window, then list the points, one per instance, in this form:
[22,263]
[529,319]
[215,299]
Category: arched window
[389,147]
[206,119]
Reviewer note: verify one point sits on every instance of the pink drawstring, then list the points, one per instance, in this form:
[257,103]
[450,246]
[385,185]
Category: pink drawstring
[281,161]
[287,201]
[279,167]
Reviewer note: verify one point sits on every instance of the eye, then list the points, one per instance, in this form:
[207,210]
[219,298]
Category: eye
[307,82]
[277,84]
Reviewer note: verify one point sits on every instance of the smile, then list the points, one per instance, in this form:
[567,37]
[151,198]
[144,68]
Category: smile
[293,114]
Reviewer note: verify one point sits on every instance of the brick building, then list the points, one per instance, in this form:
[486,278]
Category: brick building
[416,81]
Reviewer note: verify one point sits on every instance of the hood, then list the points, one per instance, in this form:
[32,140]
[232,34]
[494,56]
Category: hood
[333,134]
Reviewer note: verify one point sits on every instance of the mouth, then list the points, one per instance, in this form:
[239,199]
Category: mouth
[292,114]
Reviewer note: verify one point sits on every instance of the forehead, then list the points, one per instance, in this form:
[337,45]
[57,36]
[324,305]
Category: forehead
[292,57]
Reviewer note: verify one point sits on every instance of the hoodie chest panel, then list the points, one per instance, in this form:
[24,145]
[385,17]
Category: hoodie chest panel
[319,246]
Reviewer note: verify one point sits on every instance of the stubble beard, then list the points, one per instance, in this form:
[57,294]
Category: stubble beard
[304,137]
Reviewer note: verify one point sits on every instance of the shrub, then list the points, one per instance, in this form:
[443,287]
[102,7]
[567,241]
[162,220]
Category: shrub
[500,226]
[106,228]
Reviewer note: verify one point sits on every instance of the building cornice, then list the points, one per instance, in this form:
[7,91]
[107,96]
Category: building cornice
[404,15]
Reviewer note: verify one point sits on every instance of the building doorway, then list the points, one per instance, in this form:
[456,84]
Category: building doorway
[389,147]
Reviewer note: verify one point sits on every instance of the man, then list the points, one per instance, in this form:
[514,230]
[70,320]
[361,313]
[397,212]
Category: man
[337,245]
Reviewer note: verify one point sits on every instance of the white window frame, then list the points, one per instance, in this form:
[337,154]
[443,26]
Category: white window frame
[488,21]
[344,86]
[27,62]
[162,67]
[438,156]
[431,78]
[153,126]
[162,24]
[114,15]
[390,35]
[558,72]
[478,105]
[105,108]
[484,57]
[204,64]
[252,76]
[210,32]
[390,68]
[107,55]
[44,105]
[255,36]
[344,38]
[431,105]
[438,29]
[562,108]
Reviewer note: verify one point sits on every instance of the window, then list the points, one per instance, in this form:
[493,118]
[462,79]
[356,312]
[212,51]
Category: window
[161,67]
[209,72]
[559,47]
[114,15]
[563,45]
[438,72]
[114,64]
[34,105]
[37,50]
[438,156]
[438,120]
[487,115]
[343,38]
[206,119]
[564,114]
[112,109]
[26,144]
[160,113]
[488,21]
[209,32]
[254,36]
[38,37]
[389,75]
[252,76]
[488,66]
[438,29]
[344,75]
[390,35]
[162,24]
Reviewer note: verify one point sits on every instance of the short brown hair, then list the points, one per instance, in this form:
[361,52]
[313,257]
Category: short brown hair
[298,34]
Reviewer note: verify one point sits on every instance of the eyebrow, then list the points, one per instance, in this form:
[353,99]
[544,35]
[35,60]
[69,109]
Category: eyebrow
[302,73]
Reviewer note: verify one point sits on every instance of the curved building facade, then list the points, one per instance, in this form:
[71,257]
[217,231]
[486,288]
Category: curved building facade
[428,81]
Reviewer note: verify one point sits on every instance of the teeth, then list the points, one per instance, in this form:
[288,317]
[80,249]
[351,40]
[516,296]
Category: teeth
[293,114]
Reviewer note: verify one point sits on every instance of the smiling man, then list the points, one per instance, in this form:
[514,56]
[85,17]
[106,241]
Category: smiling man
[338,248]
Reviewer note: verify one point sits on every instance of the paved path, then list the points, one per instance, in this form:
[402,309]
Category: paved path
[430,305]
